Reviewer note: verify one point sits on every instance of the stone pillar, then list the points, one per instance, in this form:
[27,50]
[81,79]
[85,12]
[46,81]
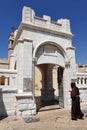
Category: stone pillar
[71,60]
[6,81]
[25,97]
[67,87]
[12,81]
[47,91]
[25,66]
[34,61]
[83,81]
[78,81]
[12,61]
[0,80]
[86,80]
[60,86]
[50,84]
[20,66]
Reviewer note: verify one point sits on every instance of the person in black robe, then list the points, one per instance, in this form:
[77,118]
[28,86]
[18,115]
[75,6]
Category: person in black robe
[76,112]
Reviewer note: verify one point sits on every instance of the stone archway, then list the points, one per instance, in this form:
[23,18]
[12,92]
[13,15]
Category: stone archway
[40,42]
[48,56]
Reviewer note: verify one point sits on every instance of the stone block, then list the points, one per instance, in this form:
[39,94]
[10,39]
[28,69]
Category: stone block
[22,107]
[34,112]
[26,113]
[27,101]
[32,106]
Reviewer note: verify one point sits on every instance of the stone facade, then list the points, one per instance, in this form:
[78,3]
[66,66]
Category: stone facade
[41,65]
[82,82]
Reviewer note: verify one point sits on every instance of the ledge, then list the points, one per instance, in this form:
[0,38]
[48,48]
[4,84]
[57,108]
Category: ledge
[8,71]
[25,94]
[7,89]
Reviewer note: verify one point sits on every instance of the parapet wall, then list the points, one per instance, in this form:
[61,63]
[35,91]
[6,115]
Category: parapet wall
[62,25]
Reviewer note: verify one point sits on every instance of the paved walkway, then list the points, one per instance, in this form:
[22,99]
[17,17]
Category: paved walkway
[48,118]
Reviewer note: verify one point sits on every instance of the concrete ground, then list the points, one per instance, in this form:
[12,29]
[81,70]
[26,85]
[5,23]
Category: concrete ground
[48,118]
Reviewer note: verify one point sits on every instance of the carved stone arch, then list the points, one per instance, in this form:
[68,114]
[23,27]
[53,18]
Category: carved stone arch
[47,55]
[49,52]
[49,43]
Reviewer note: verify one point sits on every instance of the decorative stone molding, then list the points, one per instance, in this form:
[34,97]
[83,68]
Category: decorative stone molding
[67,63]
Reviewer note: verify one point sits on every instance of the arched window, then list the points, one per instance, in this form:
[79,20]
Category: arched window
[2,80]
[77,80]
[85,80]
[81,80]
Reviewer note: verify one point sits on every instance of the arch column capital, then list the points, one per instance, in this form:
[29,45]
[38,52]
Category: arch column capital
[67,64]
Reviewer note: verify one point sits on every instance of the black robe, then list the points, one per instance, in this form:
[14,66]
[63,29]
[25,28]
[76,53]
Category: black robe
[75,109]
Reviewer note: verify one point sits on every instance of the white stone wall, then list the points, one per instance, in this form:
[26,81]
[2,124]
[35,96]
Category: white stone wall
[8,102]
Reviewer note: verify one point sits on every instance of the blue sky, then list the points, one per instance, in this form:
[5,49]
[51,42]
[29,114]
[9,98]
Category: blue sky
[74,10]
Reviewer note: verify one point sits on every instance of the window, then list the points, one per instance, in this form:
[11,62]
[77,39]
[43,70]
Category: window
[2,80]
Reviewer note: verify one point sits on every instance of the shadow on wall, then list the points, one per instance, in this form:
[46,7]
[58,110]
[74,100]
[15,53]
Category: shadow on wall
[3,113]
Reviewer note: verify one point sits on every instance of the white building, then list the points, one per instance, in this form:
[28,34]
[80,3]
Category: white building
[38,44]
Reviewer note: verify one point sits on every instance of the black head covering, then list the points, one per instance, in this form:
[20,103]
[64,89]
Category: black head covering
[73,85]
